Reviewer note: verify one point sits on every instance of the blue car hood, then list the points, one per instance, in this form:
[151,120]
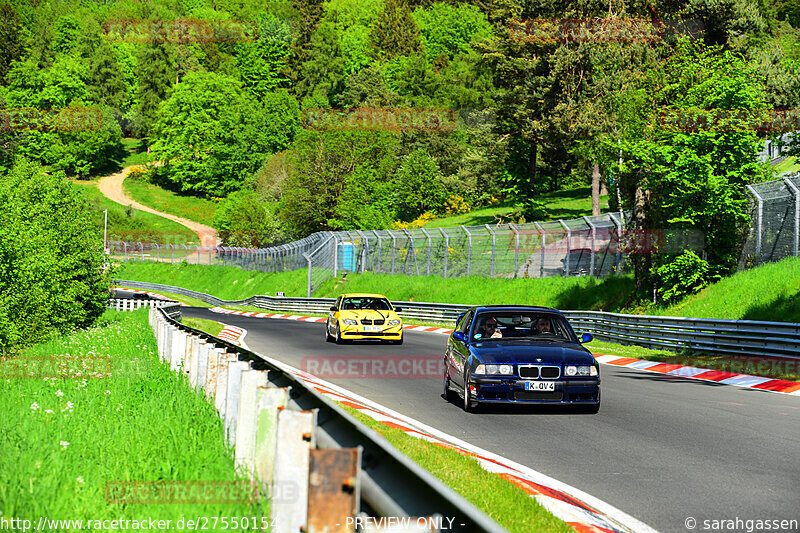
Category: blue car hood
[528,351]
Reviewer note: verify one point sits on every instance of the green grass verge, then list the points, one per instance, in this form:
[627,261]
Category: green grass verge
[166,201]
[227,283]
[65,439]
[209,326]
[572,203]
[131,225]
[501,500]
[770,292]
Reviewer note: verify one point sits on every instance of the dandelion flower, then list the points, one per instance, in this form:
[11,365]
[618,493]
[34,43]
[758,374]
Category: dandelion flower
[108,392]
[34,406]
[64,444]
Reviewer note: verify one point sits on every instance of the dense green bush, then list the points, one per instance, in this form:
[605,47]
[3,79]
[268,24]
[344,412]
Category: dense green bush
[244,221]
[52,275]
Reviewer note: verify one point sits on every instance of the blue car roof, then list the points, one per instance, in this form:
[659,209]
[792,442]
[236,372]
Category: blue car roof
[479,308]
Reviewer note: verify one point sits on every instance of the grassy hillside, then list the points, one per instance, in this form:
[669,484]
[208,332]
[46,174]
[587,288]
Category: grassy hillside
[190,207]
[770,292]
[132,225]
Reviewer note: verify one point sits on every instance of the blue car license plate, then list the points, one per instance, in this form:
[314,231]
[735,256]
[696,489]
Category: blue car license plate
[547,386]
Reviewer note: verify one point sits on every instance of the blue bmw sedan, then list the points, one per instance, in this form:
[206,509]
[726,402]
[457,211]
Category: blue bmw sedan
[519,355]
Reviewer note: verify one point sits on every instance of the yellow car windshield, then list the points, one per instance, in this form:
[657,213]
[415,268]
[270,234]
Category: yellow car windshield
[377,304]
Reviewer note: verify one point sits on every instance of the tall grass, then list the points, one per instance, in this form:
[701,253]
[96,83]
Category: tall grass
[65,439]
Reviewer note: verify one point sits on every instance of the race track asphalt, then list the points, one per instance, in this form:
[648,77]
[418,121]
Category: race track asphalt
[662,448]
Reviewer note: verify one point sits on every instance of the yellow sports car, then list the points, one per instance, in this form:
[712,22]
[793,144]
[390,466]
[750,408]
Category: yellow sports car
[363,316]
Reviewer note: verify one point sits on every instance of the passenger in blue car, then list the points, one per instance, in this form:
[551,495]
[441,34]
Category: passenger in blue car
[488,328]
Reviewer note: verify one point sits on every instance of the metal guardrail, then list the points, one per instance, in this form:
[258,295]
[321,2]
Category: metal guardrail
[389,483]
[702,335]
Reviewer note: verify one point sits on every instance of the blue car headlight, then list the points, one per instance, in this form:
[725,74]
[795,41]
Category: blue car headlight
[505,370]
[582,371]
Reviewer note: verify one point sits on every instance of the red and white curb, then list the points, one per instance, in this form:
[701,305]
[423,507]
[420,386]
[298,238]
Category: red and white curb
[583,512]
[704,374]
[233,334]
[688,372]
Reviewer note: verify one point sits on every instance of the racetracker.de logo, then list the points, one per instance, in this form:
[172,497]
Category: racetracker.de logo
[180,31]
[60,119]
[619,30]
[391,367]
[381,118]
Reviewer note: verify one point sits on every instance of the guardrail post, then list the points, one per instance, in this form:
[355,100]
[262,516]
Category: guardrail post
[210,385]
[295,440]
[541,263]
[428,235]
[469,248]
[244,451]
[270,401]
[446,249]
[334,490]
[202,363]
[233,393]
[221,396]
[594,235]
[494,237]
[760,215]
[796,194]
[516,248]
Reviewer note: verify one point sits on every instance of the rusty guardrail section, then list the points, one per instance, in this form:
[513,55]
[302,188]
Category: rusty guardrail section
[322,468]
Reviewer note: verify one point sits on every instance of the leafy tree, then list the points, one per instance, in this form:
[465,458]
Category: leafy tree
[106,81]
[419,186]
[155,81]
[447,31]
[210,136]
[68,32]
[338,180]
[245,222]
[12,43]
[693,178]
[261,64]
[395,33]
[51,259]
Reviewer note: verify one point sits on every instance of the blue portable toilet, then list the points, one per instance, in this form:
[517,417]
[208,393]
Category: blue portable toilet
[346,256]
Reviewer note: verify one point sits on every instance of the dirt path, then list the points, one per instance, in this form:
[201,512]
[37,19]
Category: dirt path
[111,188]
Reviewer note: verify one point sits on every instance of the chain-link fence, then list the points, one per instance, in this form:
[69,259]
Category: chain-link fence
[591,246]
[775,221]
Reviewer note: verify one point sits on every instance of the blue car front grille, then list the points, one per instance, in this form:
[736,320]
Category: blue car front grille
[539,371]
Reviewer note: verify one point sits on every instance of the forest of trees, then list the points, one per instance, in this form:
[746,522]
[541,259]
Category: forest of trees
[227,94]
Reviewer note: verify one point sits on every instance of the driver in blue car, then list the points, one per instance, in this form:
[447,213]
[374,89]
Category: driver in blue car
[542,325]
[488,328]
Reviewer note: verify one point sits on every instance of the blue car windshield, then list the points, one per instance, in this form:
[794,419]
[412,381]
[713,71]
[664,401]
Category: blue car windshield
[497,325]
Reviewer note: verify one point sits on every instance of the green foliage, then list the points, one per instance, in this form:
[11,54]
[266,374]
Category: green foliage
[684,275]
[154,81]
[243,221]
[419,186]
[260,64]
[11,38]
[211,136]
[447,31]
[395,33]
[51,258]
[338,179]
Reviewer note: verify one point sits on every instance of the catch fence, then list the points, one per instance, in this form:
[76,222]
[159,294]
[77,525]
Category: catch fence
[587,246]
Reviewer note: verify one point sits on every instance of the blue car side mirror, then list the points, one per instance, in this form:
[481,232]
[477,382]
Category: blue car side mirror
[459,336]
[586,337]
